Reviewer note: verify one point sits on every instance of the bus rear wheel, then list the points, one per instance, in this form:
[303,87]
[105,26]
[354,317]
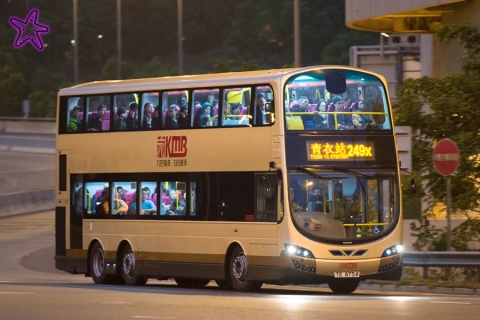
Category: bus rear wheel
[343,286]
[239,272]
[128,271]
[97,267]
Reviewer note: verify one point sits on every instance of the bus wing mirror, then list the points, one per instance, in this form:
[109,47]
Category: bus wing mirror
[335,81]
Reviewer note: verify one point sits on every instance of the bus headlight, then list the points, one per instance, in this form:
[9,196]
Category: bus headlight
[294,250]
[392,250]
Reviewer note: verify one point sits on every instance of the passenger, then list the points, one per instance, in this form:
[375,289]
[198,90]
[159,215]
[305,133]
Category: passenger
[319,118]
[132,119]
[120,123]
[171,119]
[121,193]
[74,124]
[339,200]
[203,116]
[362,121]
[235,110]
[315,200]
[156,117]
[120,207]
[95,123]
[260,117]
[183,116]
[147,116]
[147,189]
[214,122]
[344,121]
[148,207]
[307,119]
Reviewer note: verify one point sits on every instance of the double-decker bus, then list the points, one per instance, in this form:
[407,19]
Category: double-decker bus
[275,176]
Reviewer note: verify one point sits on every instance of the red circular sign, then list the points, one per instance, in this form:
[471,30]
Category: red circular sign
[446,157]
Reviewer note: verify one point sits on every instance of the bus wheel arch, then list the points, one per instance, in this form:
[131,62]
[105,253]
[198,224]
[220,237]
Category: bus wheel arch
[238,271]
[127,265]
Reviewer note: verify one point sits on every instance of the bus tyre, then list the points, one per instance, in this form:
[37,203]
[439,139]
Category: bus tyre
[224,284]
[128,269]
[97,264]
[343,286]
[239,271]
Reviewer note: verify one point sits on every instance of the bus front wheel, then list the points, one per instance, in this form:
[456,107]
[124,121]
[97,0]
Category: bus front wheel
[343,286]
[129,273]
[239,272]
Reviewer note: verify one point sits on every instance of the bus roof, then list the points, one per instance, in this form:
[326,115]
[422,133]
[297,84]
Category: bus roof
[187,81]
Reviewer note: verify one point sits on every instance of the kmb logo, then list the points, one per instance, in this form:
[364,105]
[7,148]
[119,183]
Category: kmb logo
[351,265]
[172,147]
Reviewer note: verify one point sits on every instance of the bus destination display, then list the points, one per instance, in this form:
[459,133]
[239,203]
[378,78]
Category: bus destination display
[339,151]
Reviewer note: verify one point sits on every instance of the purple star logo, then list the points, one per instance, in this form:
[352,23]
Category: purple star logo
[29,30]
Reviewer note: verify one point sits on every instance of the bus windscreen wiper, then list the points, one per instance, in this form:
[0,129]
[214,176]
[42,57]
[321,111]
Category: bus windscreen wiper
[310,173]
[350,172]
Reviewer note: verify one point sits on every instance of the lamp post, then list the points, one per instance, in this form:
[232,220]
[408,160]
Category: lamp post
[119,40]
[180,36]
[75,42]
[296,33]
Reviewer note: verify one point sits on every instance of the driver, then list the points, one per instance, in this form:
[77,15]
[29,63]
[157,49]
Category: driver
[295,206]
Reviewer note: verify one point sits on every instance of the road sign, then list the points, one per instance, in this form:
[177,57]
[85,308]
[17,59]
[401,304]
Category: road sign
[446,157]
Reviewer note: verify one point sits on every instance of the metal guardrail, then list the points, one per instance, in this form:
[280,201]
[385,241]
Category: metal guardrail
[441,259]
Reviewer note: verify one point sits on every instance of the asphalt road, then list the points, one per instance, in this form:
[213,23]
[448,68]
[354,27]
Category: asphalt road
[31,288]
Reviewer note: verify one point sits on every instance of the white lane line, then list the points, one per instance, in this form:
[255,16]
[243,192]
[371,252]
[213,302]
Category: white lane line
[449,302]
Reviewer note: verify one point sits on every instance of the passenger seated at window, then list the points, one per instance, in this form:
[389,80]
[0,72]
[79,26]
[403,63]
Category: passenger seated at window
[204,115]
[120,122]
[171,119]
[119,206]
[303,107]
[319,118]
[95,123]
[344,121]
[132,119]
[260,117]
[362,121]
[147,123]
[148,207]
[75,125]
[182,119]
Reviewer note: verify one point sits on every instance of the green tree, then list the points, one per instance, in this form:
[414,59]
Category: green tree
[447,108]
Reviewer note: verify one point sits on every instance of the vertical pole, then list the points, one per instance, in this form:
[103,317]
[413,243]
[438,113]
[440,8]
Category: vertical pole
[381,46]
[119,39]
[180,36]
[296,33]
[75,39]
[449,227]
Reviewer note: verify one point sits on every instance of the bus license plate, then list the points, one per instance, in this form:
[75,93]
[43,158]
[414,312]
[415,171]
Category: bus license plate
[347,274]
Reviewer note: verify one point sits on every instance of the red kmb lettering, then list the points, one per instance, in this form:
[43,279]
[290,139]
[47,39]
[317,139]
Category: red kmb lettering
[172,147]
[350,265]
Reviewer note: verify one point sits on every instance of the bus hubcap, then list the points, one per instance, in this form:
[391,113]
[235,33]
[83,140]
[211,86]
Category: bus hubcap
[239,267]
[98,263]
[129,264]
